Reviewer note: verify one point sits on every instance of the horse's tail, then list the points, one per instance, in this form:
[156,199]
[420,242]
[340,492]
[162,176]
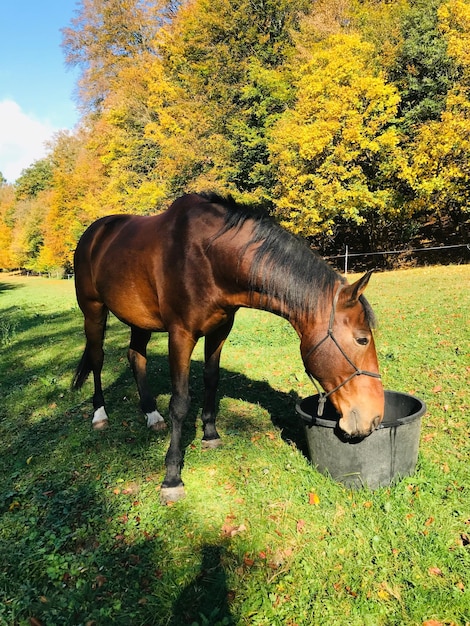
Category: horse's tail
[82,371]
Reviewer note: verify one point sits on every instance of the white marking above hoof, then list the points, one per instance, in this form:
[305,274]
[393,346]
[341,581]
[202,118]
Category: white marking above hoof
[172,494]
[211,444]
[100,419]
[155,421]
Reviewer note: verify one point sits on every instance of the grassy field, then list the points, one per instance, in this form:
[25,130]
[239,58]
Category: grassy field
[262,538]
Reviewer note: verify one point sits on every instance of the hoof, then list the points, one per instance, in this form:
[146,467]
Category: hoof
[172,494]
[211,444]
[155,421]
[100,419]
[158,427]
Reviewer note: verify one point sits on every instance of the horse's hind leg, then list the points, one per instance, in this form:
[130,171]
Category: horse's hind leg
[212,350]
[137,356]
[95,327]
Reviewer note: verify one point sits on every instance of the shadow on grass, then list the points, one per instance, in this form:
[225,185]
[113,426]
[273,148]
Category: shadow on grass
[9,286]
[71,549]
[206,599]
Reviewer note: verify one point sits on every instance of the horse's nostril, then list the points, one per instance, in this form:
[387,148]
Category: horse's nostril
[376,422]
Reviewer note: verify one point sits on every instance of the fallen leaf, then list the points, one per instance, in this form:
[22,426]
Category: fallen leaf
[437,389]
[435,571]
[432,622]
[248,561]
[383,594]
[229,529]
[35,622]
[429,521]
[100,580]
[300,526]
[351,592]
[313,499]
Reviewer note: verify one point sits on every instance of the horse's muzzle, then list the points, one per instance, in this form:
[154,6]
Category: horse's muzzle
[353,427]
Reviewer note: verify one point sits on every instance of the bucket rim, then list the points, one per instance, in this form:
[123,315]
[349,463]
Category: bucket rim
[311,420]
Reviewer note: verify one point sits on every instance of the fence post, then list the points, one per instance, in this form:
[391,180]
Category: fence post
[346,260]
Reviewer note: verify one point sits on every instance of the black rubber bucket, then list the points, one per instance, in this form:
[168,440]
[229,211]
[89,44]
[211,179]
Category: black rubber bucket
[389,453]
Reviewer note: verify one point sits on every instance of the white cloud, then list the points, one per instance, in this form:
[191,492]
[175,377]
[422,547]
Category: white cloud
[22,139]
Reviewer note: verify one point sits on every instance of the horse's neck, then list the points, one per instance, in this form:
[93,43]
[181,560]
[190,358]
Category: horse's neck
[255,298]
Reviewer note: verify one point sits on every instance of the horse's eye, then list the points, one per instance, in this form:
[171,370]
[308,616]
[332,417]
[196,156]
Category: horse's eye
[362,341]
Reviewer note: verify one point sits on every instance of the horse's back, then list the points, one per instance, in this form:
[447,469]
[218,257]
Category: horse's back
[145,268]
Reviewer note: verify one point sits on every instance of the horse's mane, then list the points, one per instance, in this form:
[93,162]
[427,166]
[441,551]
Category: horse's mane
[284,267]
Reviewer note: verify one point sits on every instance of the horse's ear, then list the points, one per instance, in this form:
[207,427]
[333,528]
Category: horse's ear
[354,291]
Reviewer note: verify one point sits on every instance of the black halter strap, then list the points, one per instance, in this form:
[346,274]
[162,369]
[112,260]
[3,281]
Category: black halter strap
[329,334]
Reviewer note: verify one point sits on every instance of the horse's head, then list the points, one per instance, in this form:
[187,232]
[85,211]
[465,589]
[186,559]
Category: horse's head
[339,352]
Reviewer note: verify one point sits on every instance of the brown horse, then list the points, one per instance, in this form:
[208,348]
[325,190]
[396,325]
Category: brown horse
[187,271]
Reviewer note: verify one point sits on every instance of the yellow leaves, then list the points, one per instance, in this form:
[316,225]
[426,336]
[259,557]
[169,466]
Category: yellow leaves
[313,499]
[454,16]
[386,592]
[341,122]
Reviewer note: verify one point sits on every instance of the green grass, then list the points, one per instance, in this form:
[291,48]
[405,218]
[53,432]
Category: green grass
[84,540]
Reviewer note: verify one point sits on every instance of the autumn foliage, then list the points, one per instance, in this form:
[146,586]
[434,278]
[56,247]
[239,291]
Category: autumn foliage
[333,115]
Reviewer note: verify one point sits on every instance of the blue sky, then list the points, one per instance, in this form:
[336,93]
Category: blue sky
[36,89]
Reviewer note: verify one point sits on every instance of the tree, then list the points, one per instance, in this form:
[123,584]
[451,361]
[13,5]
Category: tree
[441,162]
[106,36]
[337,150]
[423,71]
[73,202]
[219,63]
[7,205]
[34,179]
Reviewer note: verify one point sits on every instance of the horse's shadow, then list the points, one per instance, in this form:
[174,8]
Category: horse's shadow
[207,596]
[278,404]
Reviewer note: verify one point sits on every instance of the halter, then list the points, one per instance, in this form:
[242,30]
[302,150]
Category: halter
[357,371]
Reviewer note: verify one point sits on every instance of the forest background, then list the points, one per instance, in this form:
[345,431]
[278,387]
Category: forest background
[348,120]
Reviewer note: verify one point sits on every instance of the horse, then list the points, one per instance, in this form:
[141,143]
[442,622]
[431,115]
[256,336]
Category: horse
[187,271]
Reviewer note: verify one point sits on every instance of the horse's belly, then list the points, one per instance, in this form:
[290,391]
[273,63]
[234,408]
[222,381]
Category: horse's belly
[142,320]
[135,310]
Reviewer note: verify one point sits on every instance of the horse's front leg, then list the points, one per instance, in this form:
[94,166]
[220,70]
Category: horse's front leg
[181,347]
[212,350]
[137,356]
